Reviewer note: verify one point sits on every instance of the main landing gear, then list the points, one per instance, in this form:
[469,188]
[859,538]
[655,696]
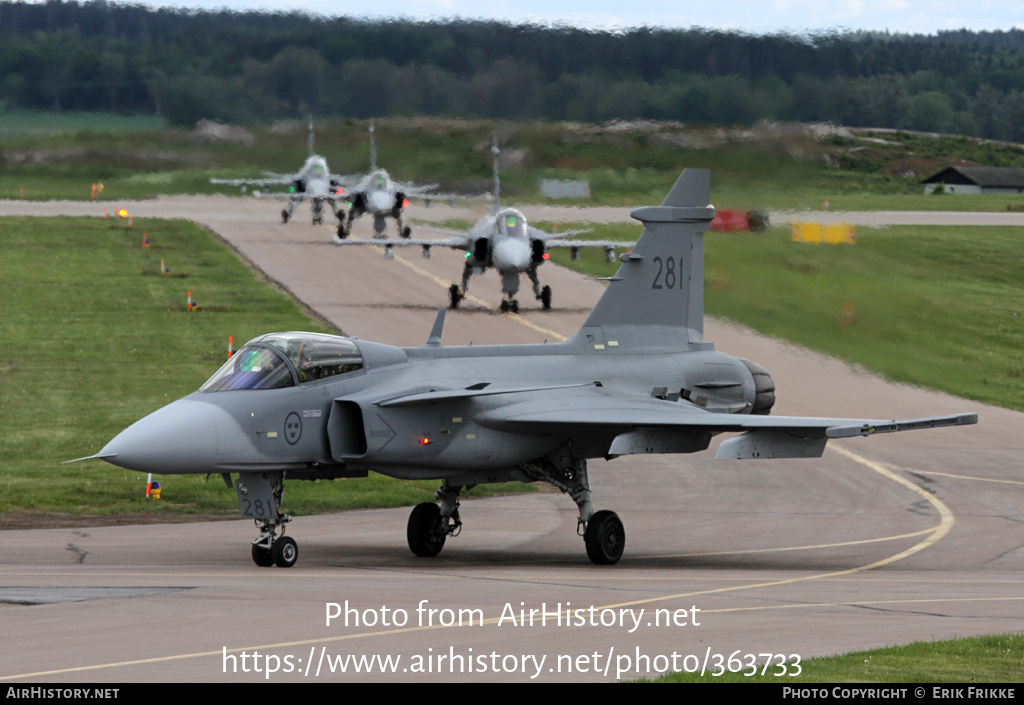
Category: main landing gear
[455,296]
[603,534]
[430,524]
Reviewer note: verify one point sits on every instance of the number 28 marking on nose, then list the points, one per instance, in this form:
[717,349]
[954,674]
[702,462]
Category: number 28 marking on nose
[669,275]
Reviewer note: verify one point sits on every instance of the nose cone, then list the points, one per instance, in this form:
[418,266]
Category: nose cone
[316,188]
[183,437]
[511,254]
[381,201]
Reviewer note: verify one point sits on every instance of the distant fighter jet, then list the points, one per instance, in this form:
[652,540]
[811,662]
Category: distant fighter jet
[503,240]
[313,182]
[377,194]
[637,378]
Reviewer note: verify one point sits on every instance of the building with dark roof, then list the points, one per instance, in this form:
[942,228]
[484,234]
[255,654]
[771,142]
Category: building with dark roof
[976,179]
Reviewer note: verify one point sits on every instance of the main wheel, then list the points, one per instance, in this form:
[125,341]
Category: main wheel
[406,232]
[285,552]
[342,233]
[284,216]
[426,539]
[605,538]
[261,556]
[454,296]
[545,297]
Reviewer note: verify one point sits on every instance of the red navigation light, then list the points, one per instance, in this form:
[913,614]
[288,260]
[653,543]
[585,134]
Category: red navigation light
[339,192]
[424,441]
[405,203]
[546,256]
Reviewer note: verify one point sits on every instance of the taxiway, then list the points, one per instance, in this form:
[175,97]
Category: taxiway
[884,540]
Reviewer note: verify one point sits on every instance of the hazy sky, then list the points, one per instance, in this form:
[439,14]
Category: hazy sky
[751,16]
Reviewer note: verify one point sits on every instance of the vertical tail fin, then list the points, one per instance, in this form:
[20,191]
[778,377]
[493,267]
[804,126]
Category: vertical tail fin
[373,149]
[497,181]
[656,299]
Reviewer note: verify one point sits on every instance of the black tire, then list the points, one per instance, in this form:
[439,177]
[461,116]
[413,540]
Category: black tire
[504,306]
[406,232]
[454,296]
[285,552]
[545,297]
[424,531]
[284,216]
[342,233]
[514,306]
[605,538]
[261,556]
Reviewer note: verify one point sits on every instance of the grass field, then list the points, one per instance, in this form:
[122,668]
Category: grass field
[986,659]
[47,156]
[93,337]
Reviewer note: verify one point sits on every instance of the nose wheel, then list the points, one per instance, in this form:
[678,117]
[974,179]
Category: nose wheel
[267,551]
[509,306]
[285,552]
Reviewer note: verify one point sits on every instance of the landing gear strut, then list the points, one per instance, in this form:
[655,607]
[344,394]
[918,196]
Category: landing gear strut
[259,496]
[603,533]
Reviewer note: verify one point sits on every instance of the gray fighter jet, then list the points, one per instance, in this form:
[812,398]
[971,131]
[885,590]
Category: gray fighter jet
[637,378]
[313,182]
[377,194]
[503,240]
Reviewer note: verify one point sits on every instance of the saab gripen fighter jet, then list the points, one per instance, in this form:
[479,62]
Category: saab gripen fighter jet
[503,240]
[314,182]
[378,195]
[637,378]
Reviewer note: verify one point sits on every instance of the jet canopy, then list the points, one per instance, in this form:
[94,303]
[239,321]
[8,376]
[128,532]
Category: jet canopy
[380,180]
[280,360]
[511,223]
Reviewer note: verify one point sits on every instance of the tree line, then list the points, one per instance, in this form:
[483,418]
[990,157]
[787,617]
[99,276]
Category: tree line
[255,67]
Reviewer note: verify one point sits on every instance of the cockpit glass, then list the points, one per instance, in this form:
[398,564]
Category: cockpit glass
[315,356]
[268,362]
[252,367]
[513,226]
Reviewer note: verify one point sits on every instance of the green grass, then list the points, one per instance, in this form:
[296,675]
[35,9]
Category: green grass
[985,659]
[47,156]
[93,337]
[936,307]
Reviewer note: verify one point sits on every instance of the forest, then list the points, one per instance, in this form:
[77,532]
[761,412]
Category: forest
[254,68]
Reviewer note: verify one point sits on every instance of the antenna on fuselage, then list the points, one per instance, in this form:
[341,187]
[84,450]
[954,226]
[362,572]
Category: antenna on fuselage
[309,140]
